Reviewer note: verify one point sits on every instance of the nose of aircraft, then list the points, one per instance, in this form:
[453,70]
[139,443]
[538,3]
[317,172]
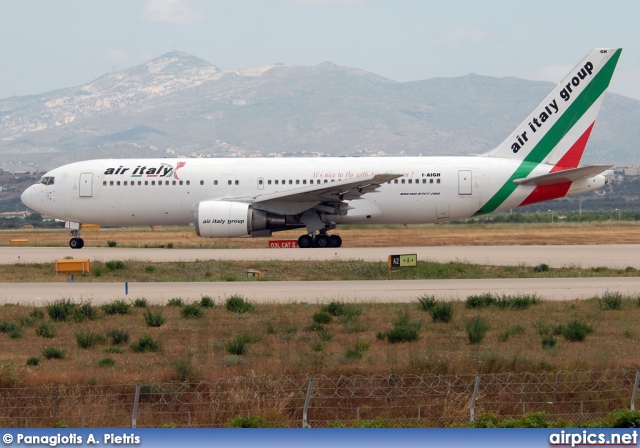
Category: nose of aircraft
[26,197]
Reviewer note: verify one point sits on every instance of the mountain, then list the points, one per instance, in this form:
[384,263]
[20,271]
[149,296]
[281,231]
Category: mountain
[180,105]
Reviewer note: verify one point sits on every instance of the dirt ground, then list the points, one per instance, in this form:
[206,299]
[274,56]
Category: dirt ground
[427,235]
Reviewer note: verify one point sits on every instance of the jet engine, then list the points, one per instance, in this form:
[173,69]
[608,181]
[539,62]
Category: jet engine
[228,219]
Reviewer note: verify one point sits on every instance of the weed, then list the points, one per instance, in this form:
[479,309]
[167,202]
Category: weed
[87,339]
[426,302]
[115,265]
[314,327]
[97,271]
[476,329]
[237,304]
[118,336]
[26,321]
[480,301]
[46,330]
[112,243]
[15,333]
[185,371]
[145,344]
[517,302]
[548,341]
[358,351]
[231,360]
[255,421]
[84,312]
[140,302]
[574,331]
[624,418]
[238,345]
[117,350]
[191,312]
[33,361]
[441,312]
[154,319]
[149,269]
[176,301]
[342,309]
[207,302]
[403,330]
[52,353]
[37,313]
[513,330]
[107,362]
[271,329]
[117,307]
[322,317]
[542,267]
[60,310]
[7,327]
[610,301]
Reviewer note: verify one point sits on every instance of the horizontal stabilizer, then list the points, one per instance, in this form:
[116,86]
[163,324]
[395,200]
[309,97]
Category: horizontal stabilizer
[561,177]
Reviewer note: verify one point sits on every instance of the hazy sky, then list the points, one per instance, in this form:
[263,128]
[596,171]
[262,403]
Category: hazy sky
[46,44]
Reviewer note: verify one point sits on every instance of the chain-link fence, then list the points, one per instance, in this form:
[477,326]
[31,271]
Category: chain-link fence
[317,401]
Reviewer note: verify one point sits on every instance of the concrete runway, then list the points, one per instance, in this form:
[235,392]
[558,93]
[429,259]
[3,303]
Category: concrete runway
[610,255]
[317,291]
[619,256]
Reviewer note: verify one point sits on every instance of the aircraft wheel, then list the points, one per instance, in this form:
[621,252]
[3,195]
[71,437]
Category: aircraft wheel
[81,243]
[305,242]
[322,240]
[335,241]
[75,243]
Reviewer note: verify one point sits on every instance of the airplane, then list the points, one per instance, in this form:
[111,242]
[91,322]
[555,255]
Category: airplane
[229,197]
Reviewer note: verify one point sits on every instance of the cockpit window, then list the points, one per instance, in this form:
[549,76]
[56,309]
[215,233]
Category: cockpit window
[47,180]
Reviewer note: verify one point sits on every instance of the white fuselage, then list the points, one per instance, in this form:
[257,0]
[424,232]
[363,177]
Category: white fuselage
[123,192]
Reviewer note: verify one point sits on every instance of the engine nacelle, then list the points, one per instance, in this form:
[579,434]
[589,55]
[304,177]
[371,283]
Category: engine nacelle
[227,219]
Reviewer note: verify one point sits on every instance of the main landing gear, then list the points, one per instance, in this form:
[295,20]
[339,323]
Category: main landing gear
[320,240]
[76,242]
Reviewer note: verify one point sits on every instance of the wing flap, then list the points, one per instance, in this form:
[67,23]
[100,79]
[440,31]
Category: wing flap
[561,177]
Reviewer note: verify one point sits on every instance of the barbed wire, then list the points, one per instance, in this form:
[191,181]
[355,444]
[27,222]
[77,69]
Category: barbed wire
[422,400]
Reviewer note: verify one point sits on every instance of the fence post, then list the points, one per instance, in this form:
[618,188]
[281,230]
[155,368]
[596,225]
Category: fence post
[473,399]
[635,391]
[134,415]
[305,424]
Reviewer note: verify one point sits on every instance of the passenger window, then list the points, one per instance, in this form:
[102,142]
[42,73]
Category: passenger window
[269,182]
[304,181]
[146,182]
[325,181]
[173,182]
[118,183]
[410,181]
[181,182]
[188,182]
[153,182]
[215,182]
[290,182]
[276,181]
[125,183]
[228,182]
[260,182]
[430,181]
[104,183]
[437,181]
[201,182]
[237,182]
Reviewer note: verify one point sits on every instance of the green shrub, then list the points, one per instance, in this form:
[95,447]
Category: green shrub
[322,317]
[154,319]
[15,333]
[115,265]
[117,350]
[46,330]
[543,267]
[36,313]
[149,268]
[548,341]
[185,371]
[84,311]
[7,327]
[60,310]
[118,336]
[610,301]
[52,353]
[513,330]
[441,312]
[118,306]
[176,301]
[358,351]
[140,302]
[624,418]
[87,339]
[112,243]
[251,422]
[403,330]
[207,302]
[33,361]
[341,309]
[517,302]
[238,345]
[145,344]
[107,362]
[426,302]
[191,312]
[479,301]
[237,304]
[574,331]
[476,329]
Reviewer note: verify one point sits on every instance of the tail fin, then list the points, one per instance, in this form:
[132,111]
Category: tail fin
[556,132]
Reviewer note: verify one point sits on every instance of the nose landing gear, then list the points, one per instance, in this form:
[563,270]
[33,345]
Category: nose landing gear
[76,242]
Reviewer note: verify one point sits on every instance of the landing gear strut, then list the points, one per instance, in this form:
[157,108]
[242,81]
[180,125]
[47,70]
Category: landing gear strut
[320,240]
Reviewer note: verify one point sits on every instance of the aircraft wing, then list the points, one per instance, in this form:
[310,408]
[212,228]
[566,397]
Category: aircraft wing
[560,177]
[332,192]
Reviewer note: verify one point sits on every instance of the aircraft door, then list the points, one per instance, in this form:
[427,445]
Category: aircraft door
[464,182]
[260,183]
[86,185]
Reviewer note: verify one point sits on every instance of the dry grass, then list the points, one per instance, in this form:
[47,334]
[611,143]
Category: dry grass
[280,343]
[377,236]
